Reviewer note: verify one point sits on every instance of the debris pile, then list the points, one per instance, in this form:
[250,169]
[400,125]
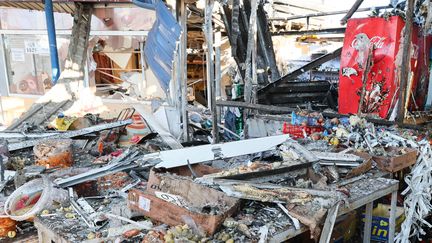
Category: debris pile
[122,179]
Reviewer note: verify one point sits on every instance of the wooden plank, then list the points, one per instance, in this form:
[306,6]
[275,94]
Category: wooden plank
[368,223]
[291,232]
[396,162]
[369,198]
[167,212]
[392,223]
[329,224]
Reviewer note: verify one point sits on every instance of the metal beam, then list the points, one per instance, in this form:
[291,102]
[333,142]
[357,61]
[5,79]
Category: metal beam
[311,32]
[84,131]
[325,14]
[286,3]
[315,63]
[266,43]
[266,108]
[350,13]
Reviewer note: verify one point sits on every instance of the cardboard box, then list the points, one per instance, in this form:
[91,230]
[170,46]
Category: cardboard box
[398,162]
[380,221]
[173,200]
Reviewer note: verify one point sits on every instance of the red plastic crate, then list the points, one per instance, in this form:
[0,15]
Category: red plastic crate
[300,131]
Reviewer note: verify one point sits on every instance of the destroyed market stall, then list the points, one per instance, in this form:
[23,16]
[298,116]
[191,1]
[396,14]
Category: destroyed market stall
[215,121]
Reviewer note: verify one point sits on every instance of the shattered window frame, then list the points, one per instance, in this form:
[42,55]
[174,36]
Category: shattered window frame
[133,26]
[24,51]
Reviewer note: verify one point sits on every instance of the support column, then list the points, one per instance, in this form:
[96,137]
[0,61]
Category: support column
[405,65]
[368,223]
[218,74]
[183,71]
[49,15]
[211,91]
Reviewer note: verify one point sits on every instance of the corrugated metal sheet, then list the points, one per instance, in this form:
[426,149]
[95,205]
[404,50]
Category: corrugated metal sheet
[264,127]
[161,44]
[64,7]
[61,6]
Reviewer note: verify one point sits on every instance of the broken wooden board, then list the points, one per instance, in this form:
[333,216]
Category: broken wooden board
[394,163]
[175,200]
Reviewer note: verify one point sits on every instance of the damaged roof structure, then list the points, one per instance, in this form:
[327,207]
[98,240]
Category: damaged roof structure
[215,121]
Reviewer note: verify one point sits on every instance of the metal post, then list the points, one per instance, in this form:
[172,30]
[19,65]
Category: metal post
[250,76]
[405,65]
[175,89]
[142,85]
[368,223]
[2,169]
[208,32]
[183,71]
[218,73]
[49,15]
[254,46]
[210,68]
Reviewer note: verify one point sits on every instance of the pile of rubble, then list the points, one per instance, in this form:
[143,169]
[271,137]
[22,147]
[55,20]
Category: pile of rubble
[96,180]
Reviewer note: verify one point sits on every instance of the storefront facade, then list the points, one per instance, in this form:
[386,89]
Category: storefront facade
[115,45]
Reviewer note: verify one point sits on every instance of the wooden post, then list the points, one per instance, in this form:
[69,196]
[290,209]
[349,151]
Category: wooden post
[392,223]
[405,64]
[368,223]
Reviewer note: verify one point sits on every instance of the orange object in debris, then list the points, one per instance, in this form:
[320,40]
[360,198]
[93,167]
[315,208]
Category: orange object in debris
[54,153]
[138,127]
[7,225]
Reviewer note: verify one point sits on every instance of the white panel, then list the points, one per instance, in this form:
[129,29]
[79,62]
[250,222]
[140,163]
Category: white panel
[198,154]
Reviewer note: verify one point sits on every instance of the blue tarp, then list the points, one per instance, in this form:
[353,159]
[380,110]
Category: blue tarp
[160,45]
